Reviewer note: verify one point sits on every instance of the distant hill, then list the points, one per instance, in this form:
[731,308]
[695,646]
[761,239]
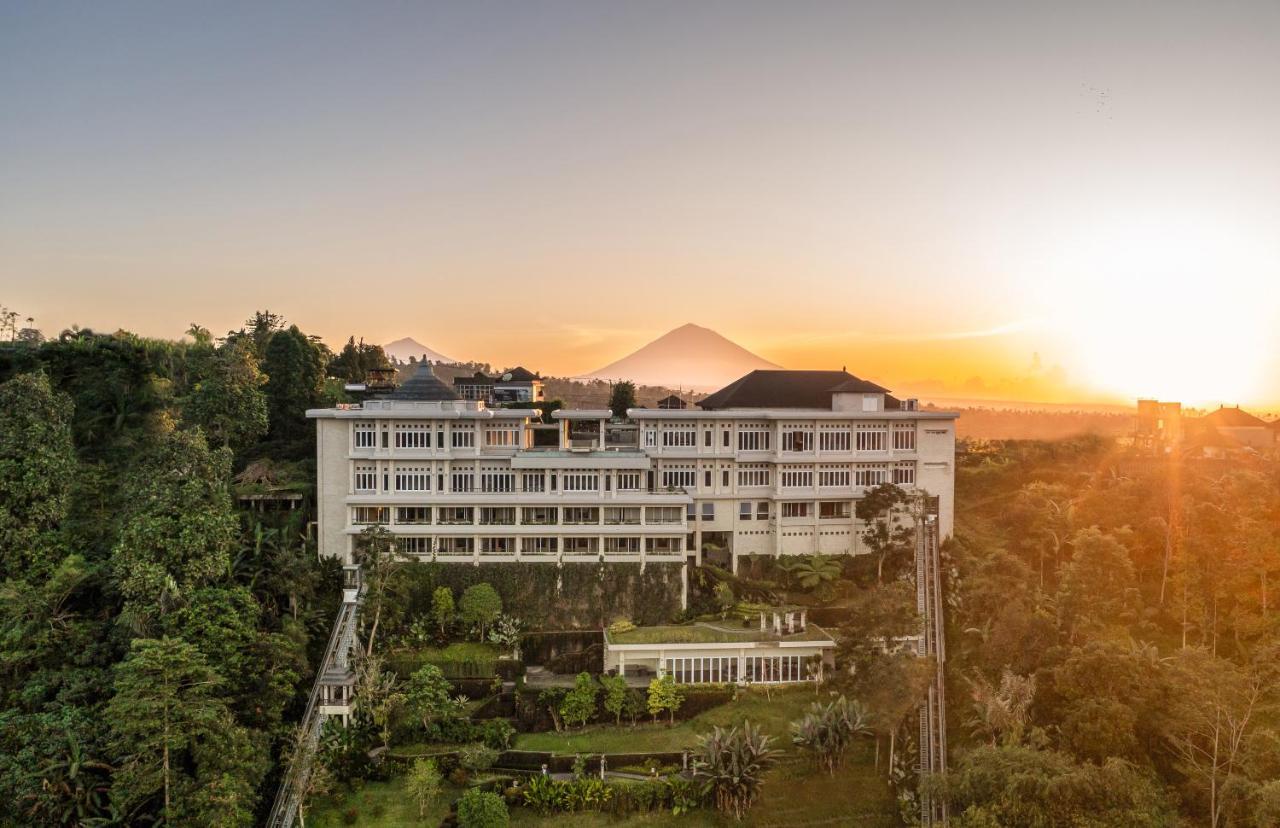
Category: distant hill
[402,349]
[688,357]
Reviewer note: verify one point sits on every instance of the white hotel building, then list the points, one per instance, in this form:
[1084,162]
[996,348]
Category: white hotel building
[770,465]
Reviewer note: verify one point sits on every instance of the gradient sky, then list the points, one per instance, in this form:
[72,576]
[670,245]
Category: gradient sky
[1019,200]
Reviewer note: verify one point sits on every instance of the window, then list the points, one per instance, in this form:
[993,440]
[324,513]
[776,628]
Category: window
[650,438]
[497,515]
[366,437]
[904,474]
[834,476]
[367,515]
[456,515]
[622,546]
[462,481]
[725,435]
[413,435]
[833,439]
[406,515]
[744,510]
[539,515]
[872,438]
[501,437]
[534,481]
[497,546]
[582,515]
[412,479]
[579,546]
[796,438]
[463,437]
[724,478]
[662,514]
[775,669]
[706,438]
[691,512]
[680,437]
[581,481]
[492,480]
[629,481]
[540,546]
[833,509]
[457,546]
[366,479]
[797,478]
[665,546]
[622,515]
[904,437]
[679,478]
[795,510]
[414,545]
[756,474]
[706,479]
[762,510]
[708,511]
[870,474]
[753,438]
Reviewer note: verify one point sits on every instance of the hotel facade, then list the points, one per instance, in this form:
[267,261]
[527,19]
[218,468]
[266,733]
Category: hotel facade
[773,464]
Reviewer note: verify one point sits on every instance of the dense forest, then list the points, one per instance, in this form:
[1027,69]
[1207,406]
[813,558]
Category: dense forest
[156,633]
[1113,636]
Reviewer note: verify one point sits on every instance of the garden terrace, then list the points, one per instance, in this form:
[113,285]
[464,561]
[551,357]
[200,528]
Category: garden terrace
[710,632]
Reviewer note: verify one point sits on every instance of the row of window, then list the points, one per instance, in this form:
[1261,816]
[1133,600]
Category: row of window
[419,436]
[422,545]
[493,480]
[723,670]
[506,515]
[795,438]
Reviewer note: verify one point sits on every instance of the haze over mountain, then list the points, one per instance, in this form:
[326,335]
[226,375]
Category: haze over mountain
[690,357]
[402,349]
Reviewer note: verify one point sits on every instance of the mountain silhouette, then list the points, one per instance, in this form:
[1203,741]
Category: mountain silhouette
[402,349]
[690,357]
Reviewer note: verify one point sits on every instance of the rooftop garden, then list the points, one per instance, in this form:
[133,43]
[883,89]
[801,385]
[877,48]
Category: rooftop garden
[712,632]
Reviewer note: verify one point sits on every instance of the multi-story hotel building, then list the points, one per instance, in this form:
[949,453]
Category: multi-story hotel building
[772,464]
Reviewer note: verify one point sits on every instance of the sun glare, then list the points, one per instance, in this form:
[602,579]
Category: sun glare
[1171,307]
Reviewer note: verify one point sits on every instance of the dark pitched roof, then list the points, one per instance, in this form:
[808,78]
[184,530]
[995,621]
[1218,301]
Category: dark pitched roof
[788,389]
[1232,418]
[478,378]
[672,401]
[518,374]
[422,385]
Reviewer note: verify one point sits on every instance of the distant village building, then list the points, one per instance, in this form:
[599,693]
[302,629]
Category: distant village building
[1162,428]
[772,464]
[1159,428]
[672,403]
[1238,426]
[517,385]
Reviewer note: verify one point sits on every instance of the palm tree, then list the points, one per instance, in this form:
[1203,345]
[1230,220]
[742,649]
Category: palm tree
[1001,712]
[814,571]
[78,786]
[731,764]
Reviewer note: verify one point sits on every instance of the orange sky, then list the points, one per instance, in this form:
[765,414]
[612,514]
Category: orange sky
[1050,202]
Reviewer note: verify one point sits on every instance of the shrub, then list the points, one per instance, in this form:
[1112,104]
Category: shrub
[622,625]
[498,734]
[477,757]
[482,809]
[731,765]
[579,704]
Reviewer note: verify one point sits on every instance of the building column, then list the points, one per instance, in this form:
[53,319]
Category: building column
[684,586]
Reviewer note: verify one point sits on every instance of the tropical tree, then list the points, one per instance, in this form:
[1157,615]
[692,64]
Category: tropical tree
[480,607]
[424,784]
[506,632]
[731,763]
[615,696]
[827,730]
[380,563]
[579,704]
[427,696]
[227,399]
[664,695]
[622,397]
[814,572]
[379,696]
[1001,712]
[442,608]
[886,533]
[166,698]
[480,809]
[295,368]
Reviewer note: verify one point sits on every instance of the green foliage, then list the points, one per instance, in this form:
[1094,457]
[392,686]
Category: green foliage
[477,757]
[479,607]
[356,360]
[427,696]
[37,464]
[621,625]
[294,366]
[622,397]
[164,715]
[730,765]
[178,528]
[227,400]
[424,783]
[579,704]
[506,633]
[1097,585]
[1014,785]
[615,696]
[442,608]
[826,730]
[664,694]
[480,809]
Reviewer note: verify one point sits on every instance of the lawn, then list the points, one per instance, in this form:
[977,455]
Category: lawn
[773,713]
[460,659]
[795,792]
[711,632]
